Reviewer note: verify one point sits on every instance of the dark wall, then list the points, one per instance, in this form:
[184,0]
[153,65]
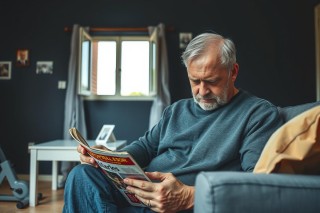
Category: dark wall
[275,42]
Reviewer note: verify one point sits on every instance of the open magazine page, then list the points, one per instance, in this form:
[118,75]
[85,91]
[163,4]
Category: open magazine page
[78,137]
[116,166]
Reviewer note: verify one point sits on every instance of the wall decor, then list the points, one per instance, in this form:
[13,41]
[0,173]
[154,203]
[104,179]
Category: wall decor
[23,58]
[184,39]
[44,67]
[5,70]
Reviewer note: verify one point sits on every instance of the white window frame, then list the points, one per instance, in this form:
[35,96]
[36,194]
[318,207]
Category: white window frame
[153,60]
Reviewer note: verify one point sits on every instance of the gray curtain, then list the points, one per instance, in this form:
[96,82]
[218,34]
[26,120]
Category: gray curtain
[74,110]
[163,99]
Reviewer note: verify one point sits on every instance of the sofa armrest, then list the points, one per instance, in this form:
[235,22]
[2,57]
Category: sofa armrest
[229,192]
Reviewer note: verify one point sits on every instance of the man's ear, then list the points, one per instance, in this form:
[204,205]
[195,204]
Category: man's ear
[234,72]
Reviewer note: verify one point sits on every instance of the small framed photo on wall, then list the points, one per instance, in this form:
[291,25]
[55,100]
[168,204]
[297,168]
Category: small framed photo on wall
[44,67]
[23,58]
[5,70]
[184,39]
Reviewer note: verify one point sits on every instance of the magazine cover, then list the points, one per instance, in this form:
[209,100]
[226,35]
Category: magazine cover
[115,165]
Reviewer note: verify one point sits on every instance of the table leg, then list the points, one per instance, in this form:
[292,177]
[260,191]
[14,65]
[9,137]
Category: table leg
[54,175]
[33,198]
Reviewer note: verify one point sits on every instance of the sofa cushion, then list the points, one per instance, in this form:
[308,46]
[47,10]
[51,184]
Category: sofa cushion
[295,147]
[290,112]
[230,192]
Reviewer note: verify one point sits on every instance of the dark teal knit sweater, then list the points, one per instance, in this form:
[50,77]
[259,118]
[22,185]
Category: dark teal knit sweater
[188,139]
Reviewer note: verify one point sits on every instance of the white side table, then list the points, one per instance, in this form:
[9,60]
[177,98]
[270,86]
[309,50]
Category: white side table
[56,150]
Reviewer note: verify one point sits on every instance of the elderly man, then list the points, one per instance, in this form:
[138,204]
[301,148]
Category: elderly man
[221,128]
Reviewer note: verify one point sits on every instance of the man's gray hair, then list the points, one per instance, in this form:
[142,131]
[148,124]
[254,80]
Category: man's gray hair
[199,45]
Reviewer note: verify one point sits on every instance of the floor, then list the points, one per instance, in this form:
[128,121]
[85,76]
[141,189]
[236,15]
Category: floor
[52,201]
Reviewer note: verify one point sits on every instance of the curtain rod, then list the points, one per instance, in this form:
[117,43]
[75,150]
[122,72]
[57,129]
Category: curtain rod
[118,29]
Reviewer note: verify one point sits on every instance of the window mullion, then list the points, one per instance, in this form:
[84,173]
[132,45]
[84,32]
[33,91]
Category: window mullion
[118,67]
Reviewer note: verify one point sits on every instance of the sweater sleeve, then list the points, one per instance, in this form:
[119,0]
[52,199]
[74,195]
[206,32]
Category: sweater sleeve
[264,120]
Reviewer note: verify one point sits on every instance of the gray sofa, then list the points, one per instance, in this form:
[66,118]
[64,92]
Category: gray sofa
[233,192]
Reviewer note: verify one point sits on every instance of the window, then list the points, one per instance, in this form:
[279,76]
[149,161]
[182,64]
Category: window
[118,67]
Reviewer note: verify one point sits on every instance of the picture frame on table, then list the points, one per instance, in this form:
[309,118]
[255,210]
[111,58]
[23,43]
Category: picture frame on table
[5,70]
[106,135]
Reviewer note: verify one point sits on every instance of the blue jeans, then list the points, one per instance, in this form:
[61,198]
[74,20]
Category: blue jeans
[88,190]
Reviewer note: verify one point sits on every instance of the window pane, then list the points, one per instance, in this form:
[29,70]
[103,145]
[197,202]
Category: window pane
[134,68]
[85,66]
[106,68]
[154,68]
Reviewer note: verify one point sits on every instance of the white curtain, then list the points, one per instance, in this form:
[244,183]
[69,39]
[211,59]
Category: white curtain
[74,110]
[163,99]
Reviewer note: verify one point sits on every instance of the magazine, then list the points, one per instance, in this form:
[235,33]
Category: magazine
[115,165]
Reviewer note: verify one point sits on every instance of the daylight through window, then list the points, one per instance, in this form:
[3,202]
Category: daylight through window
[118,67]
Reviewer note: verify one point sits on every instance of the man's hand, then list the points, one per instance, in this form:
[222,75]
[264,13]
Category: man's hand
[84,156]
[166,195]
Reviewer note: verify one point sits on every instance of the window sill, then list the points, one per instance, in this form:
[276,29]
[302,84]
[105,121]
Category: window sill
[117,98]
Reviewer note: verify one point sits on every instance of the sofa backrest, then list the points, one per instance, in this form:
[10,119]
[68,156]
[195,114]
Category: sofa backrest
[291,111]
